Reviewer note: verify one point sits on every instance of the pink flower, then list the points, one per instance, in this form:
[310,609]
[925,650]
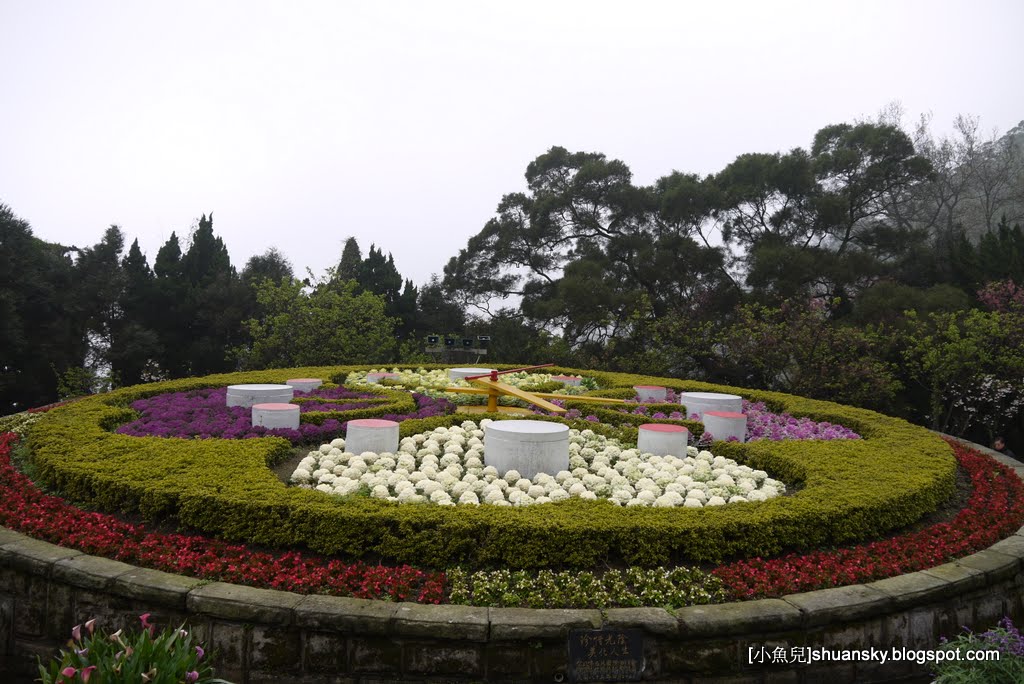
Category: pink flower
[146,624]
[76,632]
[192,676]
[200,652]
[91,625]
[69,671]
[87,672]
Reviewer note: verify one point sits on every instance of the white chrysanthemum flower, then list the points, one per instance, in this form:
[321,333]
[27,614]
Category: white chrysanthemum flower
[469,498]
[325,488]
[439,496]
[692,503]
[622,495]
[309,463]
[317,473]
[589,496]
[759,475]
[558,495]
[536,491]
[458,489]
[407,495]
[301,475]
[416,475]
[542,500]
[577,462]
[716,501]
[638,502]
[523,484]
[756,495]
[473,462]
[562,475]
[493,496]
[512,476]
[338,443]
[325,449]
[403,486]
[490,471]
[677,487]
[577,489]
[697,494]
[725,480]
[736,498]
[380,492]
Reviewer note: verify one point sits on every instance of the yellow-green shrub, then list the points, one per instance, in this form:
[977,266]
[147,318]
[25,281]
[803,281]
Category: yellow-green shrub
[849,489]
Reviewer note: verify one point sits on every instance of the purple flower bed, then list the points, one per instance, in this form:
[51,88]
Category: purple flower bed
[761,423]
[202,414]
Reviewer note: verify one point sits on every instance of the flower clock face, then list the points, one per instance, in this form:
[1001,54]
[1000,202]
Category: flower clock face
[447,466]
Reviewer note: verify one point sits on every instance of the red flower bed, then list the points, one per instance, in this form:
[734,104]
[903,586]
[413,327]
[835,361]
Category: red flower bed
[995,510]
[26,509]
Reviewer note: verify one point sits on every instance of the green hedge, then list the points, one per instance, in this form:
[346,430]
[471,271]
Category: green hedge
[848,490]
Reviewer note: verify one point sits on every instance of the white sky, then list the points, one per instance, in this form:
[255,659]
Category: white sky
[403,123]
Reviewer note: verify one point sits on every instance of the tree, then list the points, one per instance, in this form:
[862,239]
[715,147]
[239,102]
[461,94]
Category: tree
[322,327]
[351,261]
[38,336]
[271,265]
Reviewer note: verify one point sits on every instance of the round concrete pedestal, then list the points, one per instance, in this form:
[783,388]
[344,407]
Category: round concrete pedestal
[529,446]
[725,424]
[371,434]
[568,380]
[662,439]
[650,393]
[305,384]
[374,378]
[247,395]
[459,373]
[276,415]
[699,402]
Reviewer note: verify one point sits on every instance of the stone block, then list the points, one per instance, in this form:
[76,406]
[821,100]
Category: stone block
[276,416]
[462,623]
[325,653]
[431,658]
[247,395]
[33,556]
[243,604]
[374,655]
[229,646]
[528,446]
[505,661]
[719,657]
[726,425]
[840,604]
[914,589]
[347,615]
[273,649]
[654,621]
[649,394]
[662,439]
[155,588]
[996,566]
[371,434]
[304,384]
[760,617]
[962,578]
[541,623]
[89,572]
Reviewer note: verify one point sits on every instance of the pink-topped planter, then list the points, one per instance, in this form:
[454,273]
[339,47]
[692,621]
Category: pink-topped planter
[701,402]
[305,384]
[662,439]
[567,380]
[371,434]
[650,393]
[273,416]
[725,424]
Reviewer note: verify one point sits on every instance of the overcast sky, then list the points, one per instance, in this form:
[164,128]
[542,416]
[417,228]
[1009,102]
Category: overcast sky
[403,123]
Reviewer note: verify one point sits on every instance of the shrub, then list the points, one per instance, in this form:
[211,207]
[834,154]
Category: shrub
[851,490]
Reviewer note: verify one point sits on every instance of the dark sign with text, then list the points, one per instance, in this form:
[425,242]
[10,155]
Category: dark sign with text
[606,655]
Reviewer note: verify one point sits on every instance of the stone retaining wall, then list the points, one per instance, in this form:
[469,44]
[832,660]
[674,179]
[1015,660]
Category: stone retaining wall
[268,636]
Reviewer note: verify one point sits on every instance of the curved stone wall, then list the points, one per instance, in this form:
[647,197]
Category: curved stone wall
[262,635]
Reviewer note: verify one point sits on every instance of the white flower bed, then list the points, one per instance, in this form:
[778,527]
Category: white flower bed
[422,380]
[446,467]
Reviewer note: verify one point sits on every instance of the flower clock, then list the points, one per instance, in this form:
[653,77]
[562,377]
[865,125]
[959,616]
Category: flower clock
[819,495]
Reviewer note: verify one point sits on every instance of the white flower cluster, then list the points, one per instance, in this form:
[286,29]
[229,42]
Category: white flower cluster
[422,380]
[446,467]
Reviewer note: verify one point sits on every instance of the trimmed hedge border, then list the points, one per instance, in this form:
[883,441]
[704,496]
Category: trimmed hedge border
[851,489]
[263,635]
